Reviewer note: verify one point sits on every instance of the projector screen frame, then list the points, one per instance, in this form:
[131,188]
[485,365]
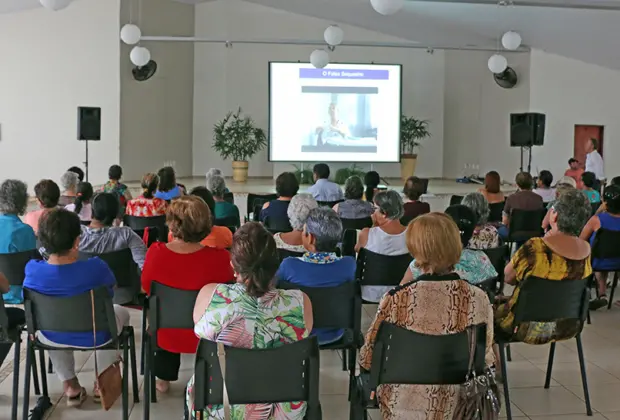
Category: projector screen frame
[400,113]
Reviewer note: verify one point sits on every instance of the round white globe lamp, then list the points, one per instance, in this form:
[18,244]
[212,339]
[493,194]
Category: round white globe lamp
[55,5]
[511,40]
[130,34]
[387,7]
[140,56]
[498,63]
[319,58]
[333,35]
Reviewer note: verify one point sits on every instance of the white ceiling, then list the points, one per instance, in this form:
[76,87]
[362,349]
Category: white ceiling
[588,33]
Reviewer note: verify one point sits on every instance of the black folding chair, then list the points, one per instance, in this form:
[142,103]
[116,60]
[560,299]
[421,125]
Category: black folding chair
[13,336]
[607,246]
[496,211]
[282,374]
[337,307]
[356,224]
[13,265]
[499,258]
[126,273]
[524,225]
[406,357]
[257,200]
[168,308]
[285,253]
[157,228]
[569,303]
[229,197]
[75,315]
[231,222]
[349,240]
[456,199]
[277,225]
[329,204]
[381,270]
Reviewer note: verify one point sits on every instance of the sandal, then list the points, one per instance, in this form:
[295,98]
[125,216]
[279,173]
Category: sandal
[77,400]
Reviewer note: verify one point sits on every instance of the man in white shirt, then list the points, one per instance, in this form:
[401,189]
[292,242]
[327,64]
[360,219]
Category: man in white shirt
[594,161]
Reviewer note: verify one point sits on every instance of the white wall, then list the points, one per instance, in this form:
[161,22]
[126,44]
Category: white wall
[572,92]
[51,64]
[156,119]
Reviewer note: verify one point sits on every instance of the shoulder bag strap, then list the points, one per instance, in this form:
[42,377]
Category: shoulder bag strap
[92,304]
[221,356]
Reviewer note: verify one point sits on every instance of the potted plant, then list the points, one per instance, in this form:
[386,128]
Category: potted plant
[304,176]
[343,174]
[411,132]
[237,137]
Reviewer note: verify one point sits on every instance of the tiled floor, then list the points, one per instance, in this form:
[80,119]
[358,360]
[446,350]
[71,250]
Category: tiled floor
[563,401]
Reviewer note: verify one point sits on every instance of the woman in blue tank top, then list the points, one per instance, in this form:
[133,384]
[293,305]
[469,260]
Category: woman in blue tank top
[608,220]
[276,210]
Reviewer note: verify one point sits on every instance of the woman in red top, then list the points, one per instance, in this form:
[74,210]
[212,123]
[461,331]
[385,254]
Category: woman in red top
[183,264]
[147,205]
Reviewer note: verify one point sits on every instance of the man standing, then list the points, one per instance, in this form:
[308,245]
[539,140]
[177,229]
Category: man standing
[575,172]
[594,161]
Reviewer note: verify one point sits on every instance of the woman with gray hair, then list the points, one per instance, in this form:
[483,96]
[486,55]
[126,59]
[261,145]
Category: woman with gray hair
[320,266]
[68,184]
[223,209]
[386,237]
[485,235]
[298,211]
[353,207]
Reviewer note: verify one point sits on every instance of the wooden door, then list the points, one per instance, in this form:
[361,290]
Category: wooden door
[583,133]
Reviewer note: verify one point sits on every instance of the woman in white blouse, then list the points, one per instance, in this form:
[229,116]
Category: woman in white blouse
[297,212]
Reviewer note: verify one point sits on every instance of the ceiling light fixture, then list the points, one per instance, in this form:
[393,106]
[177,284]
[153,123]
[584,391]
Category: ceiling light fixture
[511,40]
[140,56]
[319,58]
[130,34]
[55,5]
[333,35]
[497,63]
[387,7]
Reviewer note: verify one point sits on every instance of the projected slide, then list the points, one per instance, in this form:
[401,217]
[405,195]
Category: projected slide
[342,113]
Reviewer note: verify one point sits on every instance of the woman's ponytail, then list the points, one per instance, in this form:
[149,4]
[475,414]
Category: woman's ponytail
[84,195]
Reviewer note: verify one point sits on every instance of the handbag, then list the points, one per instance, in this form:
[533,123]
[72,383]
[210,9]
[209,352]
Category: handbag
[110,381]
[478,396]
[221,357]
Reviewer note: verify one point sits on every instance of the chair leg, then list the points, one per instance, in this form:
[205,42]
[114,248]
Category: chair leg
[50,366]
[147,372]
[151,377]
[35,373]
[550,365]
[43,373]
[344,360]
[508,353]
[352,358]
[584,379]
[614,284]
[27,374]
[16,357]
[125,390]
[504,367]
[134,371]
[588,318]
[144,337]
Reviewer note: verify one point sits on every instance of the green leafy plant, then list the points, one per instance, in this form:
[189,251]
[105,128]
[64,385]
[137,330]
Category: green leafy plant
[411,132]
[304,176]
[237,137]
[343,173]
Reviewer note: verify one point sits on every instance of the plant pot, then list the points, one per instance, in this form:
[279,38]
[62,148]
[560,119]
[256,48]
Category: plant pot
[240,171]
[407,166]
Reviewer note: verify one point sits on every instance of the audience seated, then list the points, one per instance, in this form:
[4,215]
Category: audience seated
[65,275]
[114,186]
[68,182]
[371,180]
[48,194]
[614,181]
[523,199]
[386,237]
[15,318]
[101,237]
[15,235]
[320,267]
[183,263]
[353,206]
[276,210]
[574,172]
[560,189]
[608,220]
[251,314]
[168,189]
[413,189]
[589,182]
[82,206]
[485,234]
[297,211]
[223,209]
[147,205]
[78,171]
[441,304]
[323,189]
[543,186]
[215,171]
[492,188]
[560,255]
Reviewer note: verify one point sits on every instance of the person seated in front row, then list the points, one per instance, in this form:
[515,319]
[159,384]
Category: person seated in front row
[276,210]
[68,182]
[354,206]
[184,263]
[589,181]
[560,256]
[15,235]
[81,205]
[223,209]
[15,318]
[100,237]
[386,237]
[323,189]
[485,234]
[264,317]
[441,304]
[608,220]
[65,275]
[48,194]
[543,186]
[215,171]
[492,188]
[114,186]
[168,189]
[320,266]
[371,180]
[413,207]
[560,188]
[523,199]
[474,266]
[298,212]
[147,205]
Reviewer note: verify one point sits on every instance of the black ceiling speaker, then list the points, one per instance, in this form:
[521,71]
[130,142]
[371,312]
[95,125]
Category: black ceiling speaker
[506,79]
[145,72]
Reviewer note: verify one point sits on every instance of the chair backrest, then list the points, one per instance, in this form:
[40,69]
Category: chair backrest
[4,321]
[606,244]
[499,257]
[230,221]
[253,376]
[170,308]
[496,211]
[349,240]
[277,224]
[329,204]
[229,197]
[13,265]
[595,207]
[525,224]
[285,253]
[424,185]
[456,199]
[402,356]
[255,200]
[70,314]
[121,263]
[543,300]
[356,224]
[381,270]
[158,230]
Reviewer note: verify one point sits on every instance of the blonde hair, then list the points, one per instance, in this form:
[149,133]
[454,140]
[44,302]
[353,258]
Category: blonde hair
[434,241]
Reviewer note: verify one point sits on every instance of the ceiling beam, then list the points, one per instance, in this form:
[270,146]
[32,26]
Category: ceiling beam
[556,4]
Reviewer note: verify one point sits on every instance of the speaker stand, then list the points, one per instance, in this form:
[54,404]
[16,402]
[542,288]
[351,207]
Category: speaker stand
[86,161]
[529,159]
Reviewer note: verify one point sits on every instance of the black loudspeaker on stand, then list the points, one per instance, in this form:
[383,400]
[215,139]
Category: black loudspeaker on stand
[527,130]
[89,128]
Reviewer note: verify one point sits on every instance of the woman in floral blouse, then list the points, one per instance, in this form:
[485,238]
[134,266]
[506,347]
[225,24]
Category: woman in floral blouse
[147,205]
[485,234]
[251,314]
